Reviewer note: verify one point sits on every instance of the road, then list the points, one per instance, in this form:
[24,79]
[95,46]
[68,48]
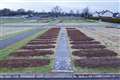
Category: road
[6,42]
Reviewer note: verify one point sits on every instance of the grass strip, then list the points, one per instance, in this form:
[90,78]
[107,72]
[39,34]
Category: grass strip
[97,70]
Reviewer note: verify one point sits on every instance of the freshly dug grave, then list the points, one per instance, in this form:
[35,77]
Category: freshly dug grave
[22,63]
[39,47]
[32,53]
[85,42]
[88,46]
[94,53]
[98,62]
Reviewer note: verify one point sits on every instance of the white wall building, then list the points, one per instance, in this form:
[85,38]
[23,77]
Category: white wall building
[107,14]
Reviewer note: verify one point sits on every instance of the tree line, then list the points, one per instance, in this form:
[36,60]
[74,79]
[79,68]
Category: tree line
[55,12]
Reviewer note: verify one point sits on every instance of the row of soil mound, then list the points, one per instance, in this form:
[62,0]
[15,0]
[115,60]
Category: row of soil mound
[32,53]
[41,46]
[90,52]
[21,63]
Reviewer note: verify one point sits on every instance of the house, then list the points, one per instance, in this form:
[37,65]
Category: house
[107,14]
[104,13]
[118,15]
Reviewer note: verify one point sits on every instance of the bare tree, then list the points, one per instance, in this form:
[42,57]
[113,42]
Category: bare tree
[71,12]
[86,12]
[56,11]
[77,12]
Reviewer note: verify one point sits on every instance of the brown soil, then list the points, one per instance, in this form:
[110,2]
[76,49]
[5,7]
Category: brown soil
[18,63]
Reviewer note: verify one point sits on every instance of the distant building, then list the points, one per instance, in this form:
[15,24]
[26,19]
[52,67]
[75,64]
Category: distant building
[118,15]
[97,14]
[107,14]
[104,13]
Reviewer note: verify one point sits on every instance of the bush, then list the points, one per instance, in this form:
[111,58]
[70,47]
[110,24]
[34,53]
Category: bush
[107,19]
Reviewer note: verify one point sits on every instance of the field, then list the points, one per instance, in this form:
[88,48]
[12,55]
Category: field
[91,54]
[10,20]
[78,45]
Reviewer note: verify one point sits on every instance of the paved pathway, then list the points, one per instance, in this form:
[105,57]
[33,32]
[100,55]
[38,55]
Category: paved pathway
[14,39]
[62,59]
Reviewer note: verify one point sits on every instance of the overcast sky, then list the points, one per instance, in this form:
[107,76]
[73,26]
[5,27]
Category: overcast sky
[66,5]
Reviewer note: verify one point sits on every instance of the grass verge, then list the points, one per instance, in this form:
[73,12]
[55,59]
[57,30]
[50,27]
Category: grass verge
[79,21]
[79,69]
[97,70]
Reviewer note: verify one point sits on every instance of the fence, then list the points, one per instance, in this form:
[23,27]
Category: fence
[61,75]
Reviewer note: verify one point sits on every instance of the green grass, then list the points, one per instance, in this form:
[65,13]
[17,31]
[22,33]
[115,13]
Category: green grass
[97,70]
[4,53]
[22,20]
[50,21]
[53,22]
[11,20]
[78,21]
[16,20]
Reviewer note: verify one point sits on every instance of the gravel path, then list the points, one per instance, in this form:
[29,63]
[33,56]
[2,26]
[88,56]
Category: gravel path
[14,39]
[62,58]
